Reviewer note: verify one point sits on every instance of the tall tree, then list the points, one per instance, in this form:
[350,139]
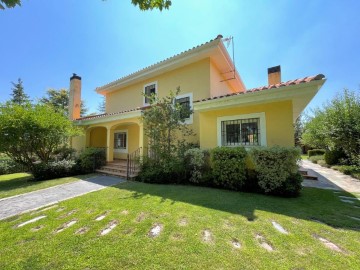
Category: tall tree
[102,105]
[18,95]
[143,4]
[298,130]
[59,100]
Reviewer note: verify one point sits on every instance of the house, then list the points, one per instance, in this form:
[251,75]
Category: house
[225,112]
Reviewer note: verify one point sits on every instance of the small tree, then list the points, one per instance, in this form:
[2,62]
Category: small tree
[298,130]
[164,125]
[18,95]
[33,132]
[59,100]
[102,105]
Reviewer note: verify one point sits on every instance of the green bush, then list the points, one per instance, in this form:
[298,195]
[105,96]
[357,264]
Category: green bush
[91,159]
[333,157]
[347,169]
[274,166]
[315,159]
[322,163]
[8,166]
[316,152]
[197,163]
[172,172]
[228,167]
[55,169]
[291,187]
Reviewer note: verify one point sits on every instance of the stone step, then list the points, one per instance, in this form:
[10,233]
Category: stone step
[121,174]
[306,176]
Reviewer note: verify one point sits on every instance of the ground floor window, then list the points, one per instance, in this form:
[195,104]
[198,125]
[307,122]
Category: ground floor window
[245,130]
[120,140]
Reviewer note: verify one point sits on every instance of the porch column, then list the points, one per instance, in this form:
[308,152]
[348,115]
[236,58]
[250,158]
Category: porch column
[109,144]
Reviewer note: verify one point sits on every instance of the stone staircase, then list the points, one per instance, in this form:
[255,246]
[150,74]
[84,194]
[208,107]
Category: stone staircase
[118,168]
[305,175]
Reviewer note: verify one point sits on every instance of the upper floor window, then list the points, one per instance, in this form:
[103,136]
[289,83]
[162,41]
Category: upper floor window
[149,89]
[185,102]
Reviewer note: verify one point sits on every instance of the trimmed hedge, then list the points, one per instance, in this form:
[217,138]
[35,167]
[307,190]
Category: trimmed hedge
[315,159]
[55,169]
[228,167]
[275,167]
[316,152]
[8,166]
[333,157]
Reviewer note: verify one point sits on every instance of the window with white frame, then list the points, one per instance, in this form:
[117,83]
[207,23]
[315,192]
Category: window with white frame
[120,141]
[149,89]
[185,102]
[242,130]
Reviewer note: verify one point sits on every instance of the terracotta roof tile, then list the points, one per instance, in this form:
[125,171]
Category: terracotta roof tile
[257,89]
[273,86]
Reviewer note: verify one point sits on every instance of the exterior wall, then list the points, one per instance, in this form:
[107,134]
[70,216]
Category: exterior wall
[193,78]
[217,87]
[279,124]
[78,143]
[98,137]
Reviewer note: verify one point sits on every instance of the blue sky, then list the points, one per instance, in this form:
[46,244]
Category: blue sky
[45,41]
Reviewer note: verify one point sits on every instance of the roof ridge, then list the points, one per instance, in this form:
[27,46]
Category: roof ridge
[157,63]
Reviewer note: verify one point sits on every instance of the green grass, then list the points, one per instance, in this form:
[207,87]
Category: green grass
[228,215]
[304,157]
[18,183]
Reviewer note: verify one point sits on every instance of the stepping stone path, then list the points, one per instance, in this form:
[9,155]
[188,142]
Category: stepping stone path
[125,212]
[30,221]
[355,206]
[207,236]
[346,201]
[68,214]
[60,209]
[263,243]
[349,198]
[354,218]
[109,228]
[235,243]
[44,209]
[328,244]
[82,230]
[37,228]
[101,217]
[183,221]
[141,217]
[66,225]
[155,230]
[278,227]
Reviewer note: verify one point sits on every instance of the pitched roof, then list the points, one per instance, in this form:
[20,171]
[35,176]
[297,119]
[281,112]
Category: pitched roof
[158,64]
[253,90]
[268,87]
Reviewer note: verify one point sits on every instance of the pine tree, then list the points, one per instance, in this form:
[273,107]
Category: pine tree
[18,95]
[102,105]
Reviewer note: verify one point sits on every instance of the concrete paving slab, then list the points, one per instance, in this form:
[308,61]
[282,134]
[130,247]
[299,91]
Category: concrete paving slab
[37,199]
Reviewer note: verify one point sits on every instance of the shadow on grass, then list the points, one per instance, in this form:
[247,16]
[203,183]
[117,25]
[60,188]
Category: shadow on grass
[316,205]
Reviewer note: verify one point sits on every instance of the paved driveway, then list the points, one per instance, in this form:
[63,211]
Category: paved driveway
[30,201]
[329,178]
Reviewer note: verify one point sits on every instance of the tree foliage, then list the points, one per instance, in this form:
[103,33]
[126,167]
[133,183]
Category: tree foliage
[33,132]
[59,100]
[336,126]
[298,130]
[18,94]
[164,125]
[143,4]
[102,105]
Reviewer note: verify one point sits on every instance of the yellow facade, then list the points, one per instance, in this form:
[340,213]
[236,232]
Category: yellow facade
[278,116]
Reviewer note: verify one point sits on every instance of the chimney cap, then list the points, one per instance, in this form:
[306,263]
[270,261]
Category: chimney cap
[75,76]
[219,36]
[274,69]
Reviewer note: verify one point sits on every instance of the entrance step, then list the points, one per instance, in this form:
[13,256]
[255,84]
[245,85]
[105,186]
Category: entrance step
[305,175]
[117,168]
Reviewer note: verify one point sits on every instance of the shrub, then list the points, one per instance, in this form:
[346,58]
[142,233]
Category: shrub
[52,170]
[8,166]
[228,167]
[91,159]
[274,166]
[322,163]
[291,187]
[315,159]
[333,157]
[173,172]
[197,164]
[347,169]
[316,152]
[64,153]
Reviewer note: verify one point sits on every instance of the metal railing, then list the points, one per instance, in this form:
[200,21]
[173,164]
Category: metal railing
[132,161]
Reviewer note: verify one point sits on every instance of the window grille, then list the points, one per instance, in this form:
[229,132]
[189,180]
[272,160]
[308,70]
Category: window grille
[240,132]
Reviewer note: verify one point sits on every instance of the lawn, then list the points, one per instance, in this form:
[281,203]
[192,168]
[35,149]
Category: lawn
[200,228]
[18,183]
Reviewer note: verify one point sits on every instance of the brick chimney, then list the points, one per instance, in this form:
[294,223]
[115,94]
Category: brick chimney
[274,75]
[75,97]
